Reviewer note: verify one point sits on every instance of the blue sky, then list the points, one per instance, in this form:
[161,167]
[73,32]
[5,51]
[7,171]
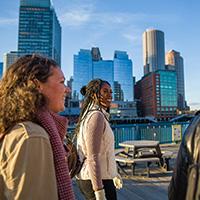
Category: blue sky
[118,25]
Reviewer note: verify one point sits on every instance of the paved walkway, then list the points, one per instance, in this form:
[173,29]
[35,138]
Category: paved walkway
[140,187]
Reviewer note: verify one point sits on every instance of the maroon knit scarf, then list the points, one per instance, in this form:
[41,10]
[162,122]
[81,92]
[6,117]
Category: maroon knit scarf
[56,126]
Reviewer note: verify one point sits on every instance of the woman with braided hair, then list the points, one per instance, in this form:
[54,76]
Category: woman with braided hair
[33,161]
[98,177]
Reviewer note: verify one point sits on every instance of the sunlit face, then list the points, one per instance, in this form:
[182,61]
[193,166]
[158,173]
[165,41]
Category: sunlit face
[54,90]
[105,95]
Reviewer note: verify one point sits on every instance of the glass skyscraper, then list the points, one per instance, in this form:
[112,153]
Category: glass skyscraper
[168,90]
[83,71]
[103,69]
[173,58]
[153,50]
[118,92]
[123,74]
[88,64]
[157,94]
[1,69]
[39,29]
[8,59]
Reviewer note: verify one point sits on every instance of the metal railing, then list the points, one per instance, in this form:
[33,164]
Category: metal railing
[161,131]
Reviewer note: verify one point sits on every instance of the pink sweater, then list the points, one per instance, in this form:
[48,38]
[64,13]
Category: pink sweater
[98,148]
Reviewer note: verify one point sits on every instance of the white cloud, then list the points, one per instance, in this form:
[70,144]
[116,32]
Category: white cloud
[8,21]
[132,38]
[133,34]
[82,14]
[87,14]
[98,25]
[94,39]
[194,105]
[117,18]
[77,16]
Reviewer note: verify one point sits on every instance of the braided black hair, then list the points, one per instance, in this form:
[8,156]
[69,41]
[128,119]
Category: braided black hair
[93,88]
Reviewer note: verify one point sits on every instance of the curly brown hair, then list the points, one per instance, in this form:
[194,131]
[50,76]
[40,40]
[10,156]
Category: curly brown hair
[19,97]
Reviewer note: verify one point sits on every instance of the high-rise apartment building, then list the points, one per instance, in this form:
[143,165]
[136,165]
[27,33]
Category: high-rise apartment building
[123,71]
[153,50]
[39,29]
[173,58]
[9,59]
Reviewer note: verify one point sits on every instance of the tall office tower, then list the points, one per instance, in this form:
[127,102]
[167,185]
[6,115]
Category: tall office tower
[96,55]
[103,69]
[123,74]
[8,59]
[39,29]
[1,69]
[88,64]
[83,71]
[153,50]
[118,92]
[173,58]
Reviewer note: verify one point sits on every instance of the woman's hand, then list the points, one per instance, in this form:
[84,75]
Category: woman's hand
[117,180]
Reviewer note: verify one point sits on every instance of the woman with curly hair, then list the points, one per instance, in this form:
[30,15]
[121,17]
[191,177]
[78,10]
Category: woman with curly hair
[95,141]
[32,158]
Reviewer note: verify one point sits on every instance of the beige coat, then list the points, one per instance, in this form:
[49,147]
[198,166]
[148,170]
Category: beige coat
[26,164]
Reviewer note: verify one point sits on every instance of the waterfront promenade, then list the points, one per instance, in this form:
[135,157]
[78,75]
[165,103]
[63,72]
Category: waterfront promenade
[139,187]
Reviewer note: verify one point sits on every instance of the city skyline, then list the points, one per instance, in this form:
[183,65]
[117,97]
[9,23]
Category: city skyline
[119,26]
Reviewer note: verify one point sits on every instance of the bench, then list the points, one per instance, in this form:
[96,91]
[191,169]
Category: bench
[133,161]
[166,155]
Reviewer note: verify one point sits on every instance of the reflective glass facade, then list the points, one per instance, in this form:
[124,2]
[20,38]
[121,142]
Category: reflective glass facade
[173,58]
[168,93]
[9,59]
[153,50]
[118,92]
[123,74]
[82,71]
[157,94]
[88,65]
[39,29]
[103,69]
[168,90]
[36,3]
[1,69]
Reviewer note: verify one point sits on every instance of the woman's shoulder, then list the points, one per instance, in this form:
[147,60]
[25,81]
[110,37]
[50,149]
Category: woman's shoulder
[21,133]
[29,129]
[95,114]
